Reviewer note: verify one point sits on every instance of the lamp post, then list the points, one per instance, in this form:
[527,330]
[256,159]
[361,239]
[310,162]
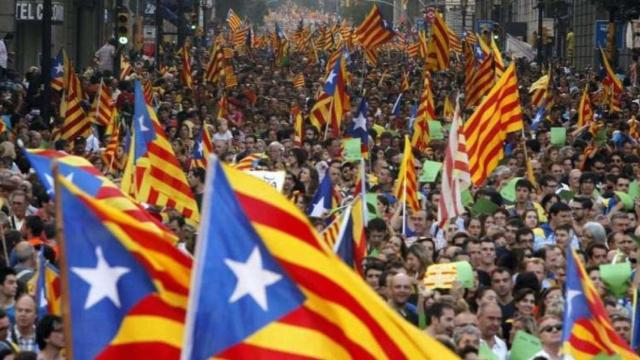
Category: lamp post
[540,57]
[45,107]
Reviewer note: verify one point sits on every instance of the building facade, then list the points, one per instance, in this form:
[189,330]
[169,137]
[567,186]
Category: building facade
[78,26]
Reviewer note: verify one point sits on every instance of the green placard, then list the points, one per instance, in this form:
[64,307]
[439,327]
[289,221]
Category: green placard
[483,206]
[634,189]
[372,205]
[566,195]
[464,273]
[430,170]
[508,191]
[616,277]
[601,137]
[352,149]
[485,353]
[524,346]
[558,136]
[626,199]
[467,198]
[435,130]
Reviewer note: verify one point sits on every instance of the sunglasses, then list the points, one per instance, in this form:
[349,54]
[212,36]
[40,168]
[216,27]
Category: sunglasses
[550,328]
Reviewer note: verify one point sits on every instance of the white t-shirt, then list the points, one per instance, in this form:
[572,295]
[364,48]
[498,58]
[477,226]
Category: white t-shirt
[226,136]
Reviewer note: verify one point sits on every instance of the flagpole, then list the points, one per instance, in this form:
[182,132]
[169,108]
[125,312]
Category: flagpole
[404,203]
[326,127]
[64,269]
[364,72]
[363,191]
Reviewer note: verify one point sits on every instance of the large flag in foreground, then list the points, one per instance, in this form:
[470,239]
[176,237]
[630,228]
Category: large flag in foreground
[153,174]
[125,288]
[89,179]
[280,292]
[486,129]
[587,330]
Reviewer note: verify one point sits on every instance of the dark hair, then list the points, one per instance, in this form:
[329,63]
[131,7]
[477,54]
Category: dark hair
[4,272]
[45,327]
[376,224]
[524,183]
[527,279]
[436,310]
[35,224]
[592,246]
[558,207]
[588,177]
[373,265]
[199,173]
[522,293]
[586,203]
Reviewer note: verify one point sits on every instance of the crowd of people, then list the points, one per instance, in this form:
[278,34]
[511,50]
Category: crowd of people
[584,193]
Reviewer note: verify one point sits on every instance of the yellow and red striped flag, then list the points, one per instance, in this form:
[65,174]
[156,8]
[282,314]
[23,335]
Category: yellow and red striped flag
[426,111]
[109,155]
[485,131]
[498,58]
[612,85]
[331,232]
[158,271]
[233,20]
[298,123]
[482,81]
[298,81]
[202,149]
[585,112]
[185,73]
[103,108]
[249,162]
[148,92]
[454,41]
[240,37]
[423,48]
[406,189]
[125,67]
[76,122]
[413,49]
[223,107]
[335,87]
[374,30]
[404,85]
[91,180]
[372,57]
[539,91]
[438,49]
[215,67]
[230,80]
[319,115]
[153,174]
[228,53]
[588,332]
[320,300]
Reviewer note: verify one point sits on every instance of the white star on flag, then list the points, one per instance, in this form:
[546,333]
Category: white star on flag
[318,208]
[141,122]
[102,280]
[253,279]
[51,183]
[331,76]
[59,68]
[360,122]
